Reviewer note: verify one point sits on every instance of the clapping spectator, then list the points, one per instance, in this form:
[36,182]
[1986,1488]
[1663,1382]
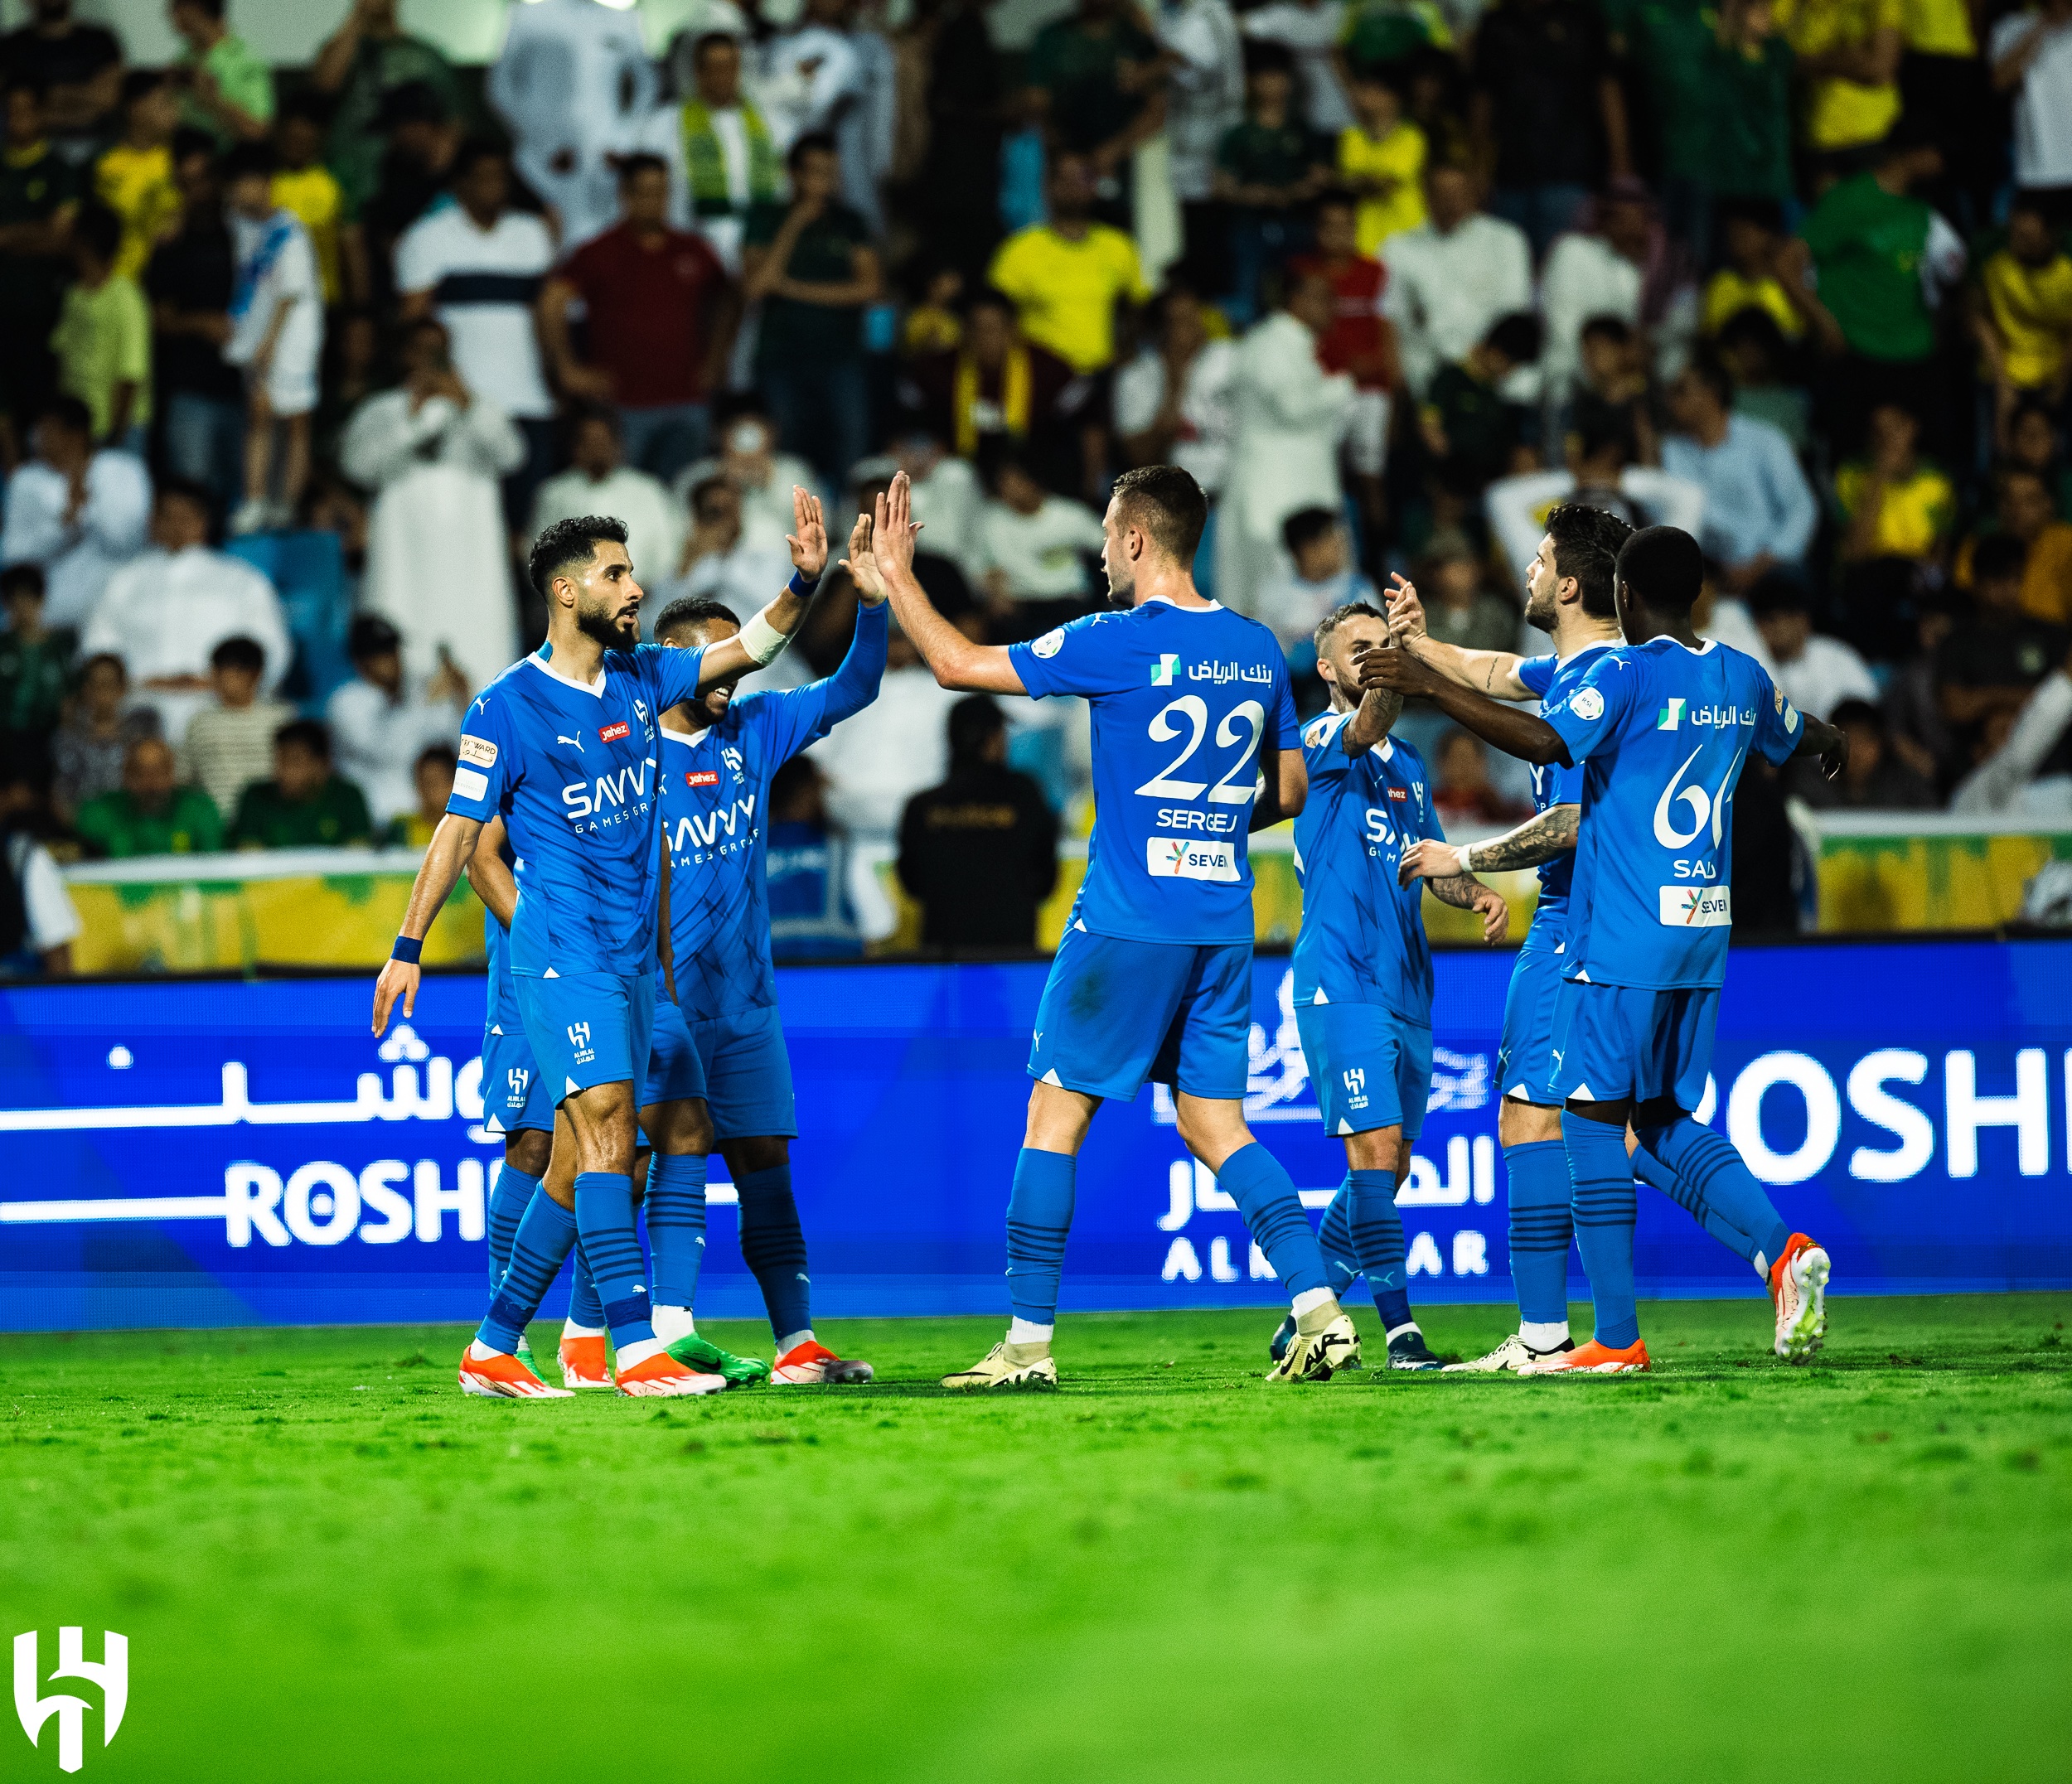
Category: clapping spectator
[979,853]
[151,813]
[306,805]
[1268,168]
[1172,401]
[1452,277]
[1034,550]
[432,779]
[1462,790]
[77,513]
[1874,779]
[88,749]
[103,338]
[1898,512]
[1758,509]
[1322,578]
[230,88]
[276,335]
[35,663]
[1815,672]
[230,744]
[382,721]
[598,481]
[190,279]
[135,178]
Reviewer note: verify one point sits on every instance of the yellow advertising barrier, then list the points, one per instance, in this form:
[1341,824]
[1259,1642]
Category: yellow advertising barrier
[1883,872]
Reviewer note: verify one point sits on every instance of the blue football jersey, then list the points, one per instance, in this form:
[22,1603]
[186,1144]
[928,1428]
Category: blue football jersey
[715,825]
[1549,678]
[1661,732]
[1362,938]
[572,771]
[500,1013]
[1183,699]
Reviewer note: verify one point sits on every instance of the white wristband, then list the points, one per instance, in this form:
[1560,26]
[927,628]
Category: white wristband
[762,640]
[1466,852]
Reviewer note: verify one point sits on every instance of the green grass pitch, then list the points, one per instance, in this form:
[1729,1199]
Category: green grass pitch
[330,1565]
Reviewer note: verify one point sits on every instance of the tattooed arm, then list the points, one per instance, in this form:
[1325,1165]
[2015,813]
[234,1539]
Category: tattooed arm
[1378,709]
[1465,893]
[1552,833]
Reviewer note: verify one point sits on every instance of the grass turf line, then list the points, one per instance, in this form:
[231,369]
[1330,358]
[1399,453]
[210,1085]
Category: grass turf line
[330,1565]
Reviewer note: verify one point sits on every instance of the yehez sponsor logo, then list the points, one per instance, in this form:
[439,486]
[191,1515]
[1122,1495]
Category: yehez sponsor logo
[612,733]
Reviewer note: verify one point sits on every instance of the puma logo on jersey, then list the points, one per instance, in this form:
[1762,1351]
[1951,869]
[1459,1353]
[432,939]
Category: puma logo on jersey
[576,742]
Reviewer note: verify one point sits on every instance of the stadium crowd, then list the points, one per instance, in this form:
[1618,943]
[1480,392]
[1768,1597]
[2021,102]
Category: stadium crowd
[300,361]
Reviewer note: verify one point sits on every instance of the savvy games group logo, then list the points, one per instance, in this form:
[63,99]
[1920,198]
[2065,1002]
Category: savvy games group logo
[111,1673]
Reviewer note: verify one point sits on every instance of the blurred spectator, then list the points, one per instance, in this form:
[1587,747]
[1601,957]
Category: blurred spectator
[307,190]
[1402,36]
[979,853]
[1459,608]
[277,336]
[1360,343]
[2023,318]
[423,141]
[807,869]
[1309,32]
[2024,511]
[382,723]
[87,752]
[1287,414]
[1452,277]
[229,91]
[432,779]
[39,193]
[102,337]
[2012,749]
[1268,168]
[1758,509]
[190,279]
[1601,474]
[1382,161]
[573,84]
[1759,361]
[1599,267]
[438,565]
[36,663]
[369,57]
[1095,84]
[660,316]
[227,745]
[1815,672]
[934,324]
[597,482]
[306,805]
[2029,437]
[1172,401]
[1032,552]
[78,66]
[719,148]
[810,75]
[2000,651]
[956,191]
[165,612]
[1461,788]
[1875,779]
[1848,54]
[1549,118]
[1758,275]
[1917,732]
[38,921]
[134,178]
[78,513]
[2031,57]
[1611,396]
[478,265]
[863,116]
[812,268]
[1898,512]
[718,561]
[1472,434]
[151,813]
[763,476]
[1204,57]
[888,752]
[1747,105]
[1066,277]
[1323,578]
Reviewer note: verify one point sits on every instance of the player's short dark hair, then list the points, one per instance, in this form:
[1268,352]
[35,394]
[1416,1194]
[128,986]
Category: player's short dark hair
[1998,556]
[1169,504]
[310,734]
[1709,369]
[634,166]
[1615,329]
[248,160]
[813,143]
[1663,570]
[1587,542]
[1778,591]
[571,542]
[22,579]
[692,610]
[98,230]
[973,722]
[1352,610]
[1304,527]
[239,652]
[70,413]
[1517,336]
[140,83]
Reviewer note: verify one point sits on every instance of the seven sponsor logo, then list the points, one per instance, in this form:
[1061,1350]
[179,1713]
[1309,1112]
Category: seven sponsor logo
[1698,906]
[1180,858]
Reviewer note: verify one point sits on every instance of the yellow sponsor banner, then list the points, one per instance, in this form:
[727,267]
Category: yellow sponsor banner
[1950,877]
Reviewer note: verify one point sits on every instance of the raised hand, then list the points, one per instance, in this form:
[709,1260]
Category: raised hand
[1405,611]
[1397,672]
[809,544]
[893,531]
[862,565]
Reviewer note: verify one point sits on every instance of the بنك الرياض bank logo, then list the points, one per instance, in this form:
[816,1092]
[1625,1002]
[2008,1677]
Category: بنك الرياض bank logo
[110,1673]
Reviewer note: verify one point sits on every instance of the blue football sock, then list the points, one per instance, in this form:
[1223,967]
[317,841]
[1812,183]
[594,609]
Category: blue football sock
[1334,1238]
[1541,1229]
[604,1214]
[1378,1237]
[1653,1173]
[585,1309]
[675,1206]
[1601,1185]
[1737,1210]
[1266,1195]
[544,1237]
[507,1204]
[1039,1217]
[773,1246]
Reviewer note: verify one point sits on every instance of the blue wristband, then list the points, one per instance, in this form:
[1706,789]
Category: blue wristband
[801,586]
[407,948]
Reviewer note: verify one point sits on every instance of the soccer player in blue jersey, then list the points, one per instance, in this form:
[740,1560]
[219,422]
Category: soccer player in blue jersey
[1362,965]
[1193,717]
[719,1077]
[1662,728]
[563,747]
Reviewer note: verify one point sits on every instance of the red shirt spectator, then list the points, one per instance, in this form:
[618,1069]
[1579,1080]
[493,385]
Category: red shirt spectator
[1358,340]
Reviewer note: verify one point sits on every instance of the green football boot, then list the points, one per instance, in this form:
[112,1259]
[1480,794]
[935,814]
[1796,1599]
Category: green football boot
[702,1354]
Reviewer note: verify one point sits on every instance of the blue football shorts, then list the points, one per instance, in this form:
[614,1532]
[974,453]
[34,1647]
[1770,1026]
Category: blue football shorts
[588,1028]
[514,1095]
[675,1072]
[1612,1043]
[748,1074]
[1371,1067]
[1117,1012]
[1525,1057]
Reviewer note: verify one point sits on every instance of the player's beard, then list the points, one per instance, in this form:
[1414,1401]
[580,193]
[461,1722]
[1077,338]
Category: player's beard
[1122,593]
[604,623]
[1541,615]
